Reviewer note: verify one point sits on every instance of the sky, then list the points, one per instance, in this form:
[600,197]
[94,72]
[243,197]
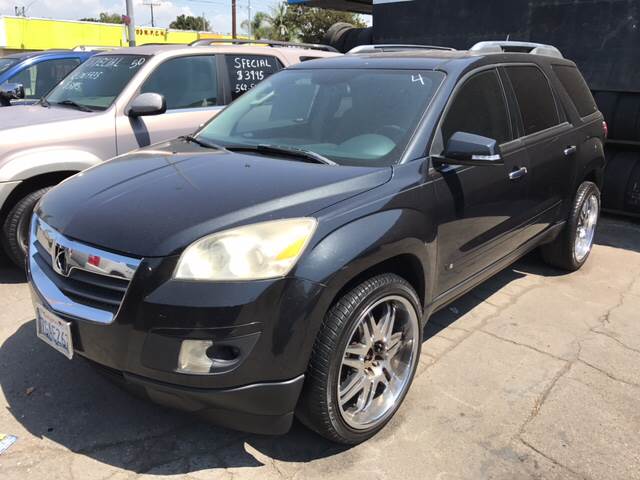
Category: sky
[217,12]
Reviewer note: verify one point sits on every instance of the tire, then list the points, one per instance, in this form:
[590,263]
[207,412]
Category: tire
[352,421]
[15,229]
[565,252]
[627,118]
[335,35]
[617,177]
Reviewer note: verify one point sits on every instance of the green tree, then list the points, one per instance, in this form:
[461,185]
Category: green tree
[260,25]
[281,24]
[288,22]
[311,24]
[187,22]
[275,25]
[105,17]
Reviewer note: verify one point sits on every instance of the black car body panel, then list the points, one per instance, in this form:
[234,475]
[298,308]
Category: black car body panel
[442,227]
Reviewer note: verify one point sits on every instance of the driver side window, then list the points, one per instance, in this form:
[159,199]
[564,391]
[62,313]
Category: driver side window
[480,108]
[185,82]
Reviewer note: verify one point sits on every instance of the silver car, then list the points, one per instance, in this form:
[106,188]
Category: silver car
[116,102]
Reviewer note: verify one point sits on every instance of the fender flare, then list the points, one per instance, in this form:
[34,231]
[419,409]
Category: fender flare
[360,245]
[32,163]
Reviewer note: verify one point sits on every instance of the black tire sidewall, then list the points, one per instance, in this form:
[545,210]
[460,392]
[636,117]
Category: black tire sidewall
[344,430]
[15,221]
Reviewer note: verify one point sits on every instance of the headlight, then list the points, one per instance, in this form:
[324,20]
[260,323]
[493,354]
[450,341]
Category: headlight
[254,252]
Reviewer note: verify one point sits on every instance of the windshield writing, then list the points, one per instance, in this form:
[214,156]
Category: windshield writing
[97,82]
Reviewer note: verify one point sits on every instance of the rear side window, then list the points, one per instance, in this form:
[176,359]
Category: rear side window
[537,105]
[185,82]
[577,88]
[479,107]
[246,71]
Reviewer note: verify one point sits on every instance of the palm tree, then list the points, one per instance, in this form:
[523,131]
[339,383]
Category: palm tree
[276,25]
[281,27]
[260,26]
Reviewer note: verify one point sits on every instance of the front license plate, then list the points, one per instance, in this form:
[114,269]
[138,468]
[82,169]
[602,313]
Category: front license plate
[54,331]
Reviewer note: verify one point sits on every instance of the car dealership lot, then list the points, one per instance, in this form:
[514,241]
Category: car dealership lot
[535,374]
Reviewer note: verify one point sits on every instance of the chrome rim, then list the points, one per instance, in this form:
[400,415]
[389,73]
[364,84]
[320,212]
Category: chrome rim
[586,230]
[378,362]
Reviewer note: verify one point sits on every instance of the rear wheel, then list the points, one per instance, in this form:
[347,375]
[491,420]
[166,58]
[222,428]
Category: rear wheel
[15,229]
[363,361]
[571,249]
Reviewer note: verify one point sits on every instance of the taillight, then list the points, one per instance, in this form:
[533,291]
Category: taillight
[605,129]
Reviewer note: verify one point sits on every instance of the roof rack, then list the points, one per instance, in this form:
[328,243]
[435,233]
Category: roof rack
[395,48]
[158,44]
[270,43]
[517,47]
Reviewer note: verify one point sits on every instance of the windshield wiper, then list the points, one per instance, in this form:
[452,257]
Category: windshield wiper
[44,102]
[77,106]
[202,143]
[288,151]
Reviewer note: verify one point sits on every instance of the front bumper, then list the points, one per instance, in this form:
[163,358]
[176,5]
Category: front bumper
[265,408]
[269,324]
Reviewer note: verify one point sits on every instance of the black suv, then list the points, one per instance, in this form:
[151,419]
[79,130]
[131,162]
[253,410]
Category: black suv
[285,259]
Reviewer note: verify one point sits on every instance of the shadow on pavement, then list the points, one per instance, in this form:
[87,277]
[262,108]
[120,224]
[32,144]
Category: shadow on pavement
[9,273]
[619,232]
[70,404]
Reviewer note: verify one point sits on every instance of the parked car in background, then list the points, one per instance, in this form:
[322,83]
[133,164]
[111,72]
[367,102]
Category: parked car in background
[284,260]
[35,73]
[114,103]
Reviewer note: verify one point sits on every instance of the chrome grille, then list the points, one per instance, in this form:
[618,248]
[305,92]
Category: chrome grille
[76,279]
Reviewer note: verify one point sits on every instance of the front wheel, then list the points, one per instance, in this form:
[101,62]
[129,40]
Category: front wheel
[15,229]
[363,361]
[572,247]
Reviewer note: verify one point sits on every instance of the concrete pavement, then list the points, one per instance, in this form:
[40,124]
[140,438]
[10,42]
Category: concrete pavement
[533,375]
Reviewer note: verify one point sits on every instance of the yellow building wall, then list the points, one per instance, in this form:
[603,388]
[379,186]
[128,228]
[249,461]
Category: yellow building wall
[18,33]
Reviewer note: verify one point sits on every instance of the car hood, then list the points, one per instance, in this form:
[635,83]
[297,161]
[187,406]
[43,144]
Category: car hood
[158,200]
[21,115]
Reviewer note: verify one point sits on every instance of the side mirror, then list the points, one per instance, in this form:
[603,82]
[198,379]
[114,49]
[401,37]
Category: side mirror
[469,149]
[147,104]
[12,91]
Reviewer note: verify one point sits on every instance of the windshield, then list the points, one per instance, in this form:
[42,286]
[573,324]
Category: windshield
[97,83]
[6,63]
[353,117]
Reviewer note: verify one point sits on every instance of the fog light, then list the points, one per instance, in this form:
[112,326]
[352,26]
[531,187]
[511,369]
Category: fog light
[193,356]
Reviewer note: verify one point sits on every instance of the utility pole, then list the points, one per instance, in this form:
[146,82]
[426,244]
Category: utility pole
[250,22]
[151,5]
[132,24]
[234,31]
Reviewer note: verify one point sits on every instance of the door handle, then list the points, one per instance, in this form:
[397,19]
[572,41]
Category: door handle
[570,150]
[516,174]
